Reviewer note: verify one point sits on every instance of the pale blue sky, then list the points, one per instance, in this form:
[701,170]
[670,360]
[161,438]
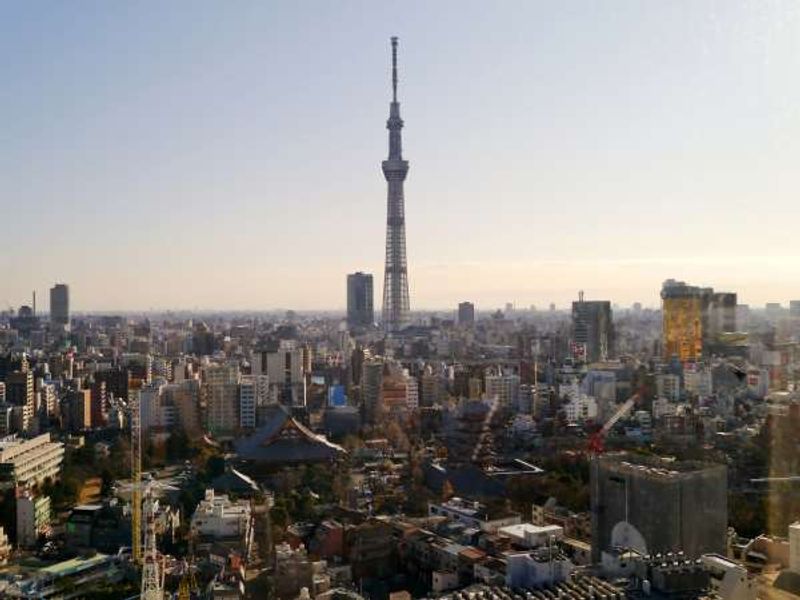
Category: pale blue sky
[227,154]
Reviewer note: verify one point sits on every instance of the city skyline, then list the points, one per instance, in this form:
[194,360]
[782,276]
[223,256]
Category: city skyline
[171,166]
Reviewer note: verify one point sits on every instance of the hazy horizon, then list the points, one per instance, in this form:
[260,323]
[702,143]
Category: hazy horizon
[204,155]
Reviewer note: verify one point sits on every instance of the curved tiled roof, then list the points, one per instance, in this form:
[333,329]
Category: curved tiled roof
[283,439]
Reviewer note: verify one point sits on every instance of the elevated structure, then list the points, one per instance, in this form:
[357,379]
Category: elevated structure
[395,282]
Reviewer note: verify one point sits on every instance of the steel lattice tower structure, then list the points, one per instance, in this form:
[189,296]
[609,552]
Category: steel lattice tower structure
[136,478]
[395,280]
[152,567]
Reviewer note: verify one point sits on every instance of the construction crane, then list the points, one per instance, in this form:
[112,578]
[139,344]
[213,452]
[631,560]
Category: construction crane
[596,443]
[152,568]
[136,479]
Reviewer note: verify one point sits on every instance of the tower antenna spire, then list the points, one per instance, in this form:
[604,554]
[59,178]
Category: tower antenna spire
[394,68]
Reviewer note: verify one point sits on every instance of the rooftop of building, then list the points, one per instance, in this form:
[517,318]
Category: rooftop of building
[656,466]
[521,529]
[75,565]
[473,509]
[580,588]
[13,442]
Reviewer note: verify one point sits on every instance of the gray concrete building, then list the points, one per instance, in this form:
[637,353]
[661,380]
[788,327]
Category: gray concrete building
[653,504]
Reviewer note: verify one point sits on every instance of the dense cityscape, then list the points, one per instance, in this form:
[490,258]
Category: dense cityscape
[622,451]
[591,451]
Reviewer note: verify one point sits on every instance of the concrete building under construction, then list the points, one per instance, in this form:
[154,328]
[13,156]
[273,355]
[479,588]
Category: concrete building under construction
[653,504]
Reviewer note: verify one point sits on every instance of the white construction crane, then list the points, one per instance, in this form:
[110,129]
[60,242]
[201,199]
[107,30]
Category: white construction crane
[152,567]
[136,479]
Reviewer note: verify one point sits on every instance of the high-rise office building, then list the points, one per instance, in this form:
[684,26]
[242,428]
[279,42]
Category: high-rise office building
[694,318]
[593,328]
[396,304]
[652,505]
[359,300]
[59,305]
[466,313]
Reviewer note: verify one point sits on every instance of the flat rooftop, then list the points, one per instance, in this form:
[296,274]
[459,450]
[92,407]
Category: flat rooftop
[656,466]
[522,528]
[75,565]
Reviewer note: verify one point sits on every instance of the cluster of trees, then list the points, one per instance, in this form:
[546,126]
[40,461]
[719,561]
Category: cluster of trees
[566,478]
[300,491]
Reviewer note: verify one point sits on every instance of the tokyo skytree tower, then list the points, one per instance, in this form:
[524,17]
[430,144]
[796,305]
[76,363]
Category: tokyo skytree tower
[395,169]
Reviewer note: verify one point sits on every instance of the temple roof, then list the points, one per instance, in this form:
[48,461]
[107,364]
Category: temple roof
[283,439]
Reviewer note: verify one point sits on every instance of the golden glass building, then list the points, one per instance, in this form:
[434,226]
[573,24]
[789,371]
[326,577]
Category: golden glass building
[683,327]
[694,319]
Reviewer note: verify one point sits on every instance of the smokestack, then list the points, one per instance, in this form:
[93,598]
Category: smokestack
[34,303]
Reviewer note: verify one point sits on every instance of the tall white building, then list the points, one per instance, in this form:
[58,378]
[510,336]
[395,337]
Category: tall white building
[505,387]
[48,399]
